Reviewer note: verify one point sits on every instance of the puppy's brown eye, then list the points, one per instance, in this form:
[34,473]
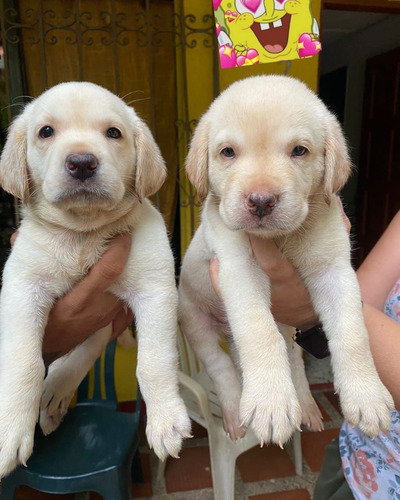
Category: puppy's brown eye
[299,151]
[46,132]
[228,153]
[113,133]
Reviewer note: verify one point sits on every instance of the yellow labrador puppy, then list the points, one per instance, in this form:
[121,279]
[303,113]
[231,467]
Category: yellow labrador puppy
[82,162]
[267,157]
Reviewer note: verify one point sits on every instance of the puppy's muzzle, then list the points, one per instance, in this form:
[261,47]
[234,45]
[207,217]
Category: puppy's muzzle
[261,204]
[81,166]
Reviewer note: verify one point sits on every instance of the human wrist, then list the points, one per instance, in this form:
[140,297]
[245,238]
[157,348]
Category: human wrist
[313,340]
[307,323]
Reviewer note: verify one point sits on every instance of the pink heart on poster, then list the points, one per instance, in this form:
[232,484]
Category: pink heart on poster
[230,16]
[308,46]
[250,57]
[251,4]
[227,56]
[216,4]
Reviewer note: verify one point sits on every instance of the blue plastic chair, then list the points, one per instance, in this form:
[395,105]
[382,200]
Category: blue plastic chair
[94,449]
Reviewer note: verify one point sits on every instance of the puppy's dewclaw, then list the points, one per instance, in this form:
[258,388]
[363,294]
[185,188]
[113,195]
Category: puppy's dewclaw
[271,166]
[83,163]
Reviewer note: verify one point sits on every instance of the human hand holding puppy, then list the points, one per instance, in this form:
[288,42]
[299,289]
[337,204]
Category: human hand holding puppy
[88,307]
[290,300]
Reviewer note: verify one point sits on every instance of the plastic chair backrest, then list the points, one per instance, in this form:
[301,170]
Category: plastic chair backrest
[98,387]
[188,362]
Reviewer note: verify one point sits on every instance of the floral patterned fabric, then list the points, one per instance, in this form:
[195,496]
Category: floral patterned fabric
[392,306]
[372,467]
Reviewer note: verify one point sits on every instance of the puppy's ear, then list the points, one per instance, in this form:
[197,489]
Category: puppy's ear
[150,166]
[337,160]
[197,159]
[14,175]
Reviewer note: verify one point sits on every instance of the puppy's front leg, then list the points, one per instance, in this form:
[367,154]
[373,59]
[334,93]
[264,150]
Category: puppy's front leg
[167,419]
[148,287]
[364,399]
[311,416]
[64,377]
[269,401]
[24,309]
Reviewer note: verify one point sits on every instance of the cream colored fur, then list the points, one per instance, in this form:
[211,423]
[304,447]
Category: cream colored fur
[65,229]
[263,119]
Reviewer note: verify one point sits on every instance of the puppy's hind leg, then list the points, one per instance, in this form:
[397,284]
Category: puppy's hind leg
[203,335]
[310,414]
[64,377]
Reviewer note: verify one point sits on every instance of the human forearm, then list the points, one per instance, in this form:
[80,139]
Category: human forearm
[384,338]
[379,271]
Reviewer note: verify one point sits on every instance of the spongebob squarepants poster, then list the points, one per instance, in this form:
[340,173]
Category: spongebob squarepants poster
[264,31]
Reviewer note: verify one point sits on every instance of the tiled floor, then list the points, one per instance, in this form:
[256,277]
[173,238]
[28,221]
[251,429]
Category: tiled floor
[261,473]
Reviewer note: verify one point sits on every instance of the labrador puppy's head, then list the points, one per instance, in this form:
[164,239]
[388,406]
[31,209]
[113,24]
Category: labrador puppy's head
[78,148]
[267,149]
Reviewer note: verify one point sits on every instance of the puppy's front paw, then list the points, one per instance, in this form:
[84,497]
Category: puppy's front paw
[231,423]
[167,426]
[17,431]
[58,391]
[310,414]
[366,403]
[50,422]
[230,401]
[273,413]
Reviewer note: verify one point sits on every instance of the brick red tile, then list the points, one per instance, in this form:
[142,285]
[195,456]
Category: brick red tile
[268,462]
[192,471]
[25,493]
[314,444]
[283,495]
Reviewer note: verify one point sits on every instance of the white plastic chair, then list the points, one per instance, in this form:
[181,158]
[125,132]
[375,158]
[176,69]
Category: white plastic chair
[197,390]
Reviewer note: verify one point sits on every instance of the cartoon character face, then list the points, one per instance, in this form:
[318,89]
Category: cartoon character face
[271,27]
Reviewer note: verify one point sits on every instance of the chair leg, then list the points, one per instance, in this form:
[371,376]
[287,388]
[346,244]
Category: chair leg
[137,469]
[298,455]
[7,490]
[223,460]
[115,486]
[162,464]
[116,491]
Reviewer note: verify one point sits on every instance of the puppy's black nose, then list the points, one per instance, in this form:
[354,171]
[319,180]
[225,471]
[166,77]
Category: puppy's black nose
[261,204]
[81,166]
